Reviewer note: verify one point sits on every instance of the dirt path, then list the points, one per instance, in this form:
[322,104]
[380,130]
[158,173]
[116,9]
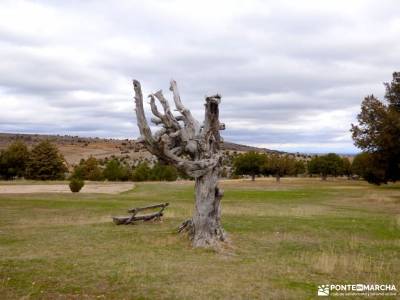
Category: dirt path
[100,187]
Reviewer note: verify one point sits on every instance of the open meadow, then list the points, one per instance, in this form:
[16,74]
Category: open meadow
[285,239]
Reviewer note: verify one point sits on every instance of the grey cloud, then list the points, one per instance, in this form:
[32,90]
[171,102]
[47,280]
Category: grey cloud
[290,74]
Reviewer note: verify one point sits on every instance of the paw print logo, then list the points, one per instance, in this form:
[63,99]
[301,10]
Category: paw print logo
[323,290]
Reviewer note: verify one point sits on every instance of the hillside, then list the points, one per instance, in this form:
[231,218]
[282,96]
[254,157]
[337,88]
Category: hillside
[74,148]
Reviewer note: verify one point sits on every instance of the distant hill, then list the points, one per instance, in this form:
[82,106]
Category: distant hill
[74,148]
[243,148]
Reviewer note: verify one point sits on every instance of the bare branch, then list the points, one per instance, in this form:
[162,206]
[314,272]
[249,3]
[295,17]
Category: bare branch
[170,119]
[189,120]
[164,142]
[141,119]
[154,109]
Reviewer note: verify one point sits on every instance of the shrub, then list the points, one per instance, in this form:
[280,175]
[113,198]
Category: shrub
[162,172]
[88,170]
[115,171]
[76,185]
[142,172]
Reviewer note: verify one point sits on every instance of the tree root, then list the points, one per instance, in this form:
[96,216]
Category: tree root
[187,227]
[214,241]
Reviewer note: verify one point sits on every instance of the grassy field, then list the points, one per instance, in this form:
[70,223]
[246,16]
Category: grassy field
[285,239]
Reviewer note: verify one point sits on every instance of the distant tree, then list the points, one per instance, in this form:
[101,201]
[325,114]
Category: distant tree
[46,162]
[378,133]
[299,167]
[249,163]
[279,166]
[88,170]
[116,171]
[329,164]
[13,160]
[313,165]
[346,167]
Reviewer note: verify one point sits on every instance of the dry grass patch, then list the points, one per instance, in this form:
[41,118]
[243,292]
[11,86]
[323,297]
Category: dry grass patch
[91,187]
[285,240]
[266,210]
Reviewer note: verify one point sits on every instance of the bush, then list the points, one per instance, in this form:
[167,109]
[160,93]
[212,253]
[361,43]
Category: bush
[115,171]
[88,170]
[76,185]
[161,172]
[142,172]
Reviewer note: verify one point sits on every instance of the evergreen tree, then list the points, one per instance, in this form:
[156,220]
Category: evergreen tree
[378,133]
[46,163]
[13,160]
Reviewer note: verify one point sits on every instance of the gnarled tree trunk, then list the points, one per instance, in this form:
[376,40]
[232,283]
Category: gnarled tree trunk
[192,148]
[207,214]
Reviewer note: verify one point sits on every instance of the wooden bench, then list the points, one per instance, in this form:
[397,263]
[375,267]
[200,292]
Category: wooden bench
[145,217]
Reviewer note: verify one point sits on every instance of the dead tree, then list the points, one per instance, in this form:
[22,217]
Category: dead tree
[194,149]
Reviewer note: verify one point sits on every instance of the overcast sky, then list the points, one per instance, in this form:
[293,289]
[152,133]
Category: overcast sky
[292,74]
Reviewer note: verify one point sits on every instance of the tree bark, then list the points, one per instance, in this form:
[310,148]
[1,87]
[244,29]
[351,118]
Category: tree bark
[207,212]
[253,177]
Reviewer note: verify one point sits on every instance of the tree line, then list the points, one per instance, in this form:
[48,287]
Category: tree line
[45,162]
[255,164]
[115,170]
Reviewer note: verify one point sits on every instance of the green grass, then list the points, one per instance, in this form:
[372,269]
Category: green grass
[285,239]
